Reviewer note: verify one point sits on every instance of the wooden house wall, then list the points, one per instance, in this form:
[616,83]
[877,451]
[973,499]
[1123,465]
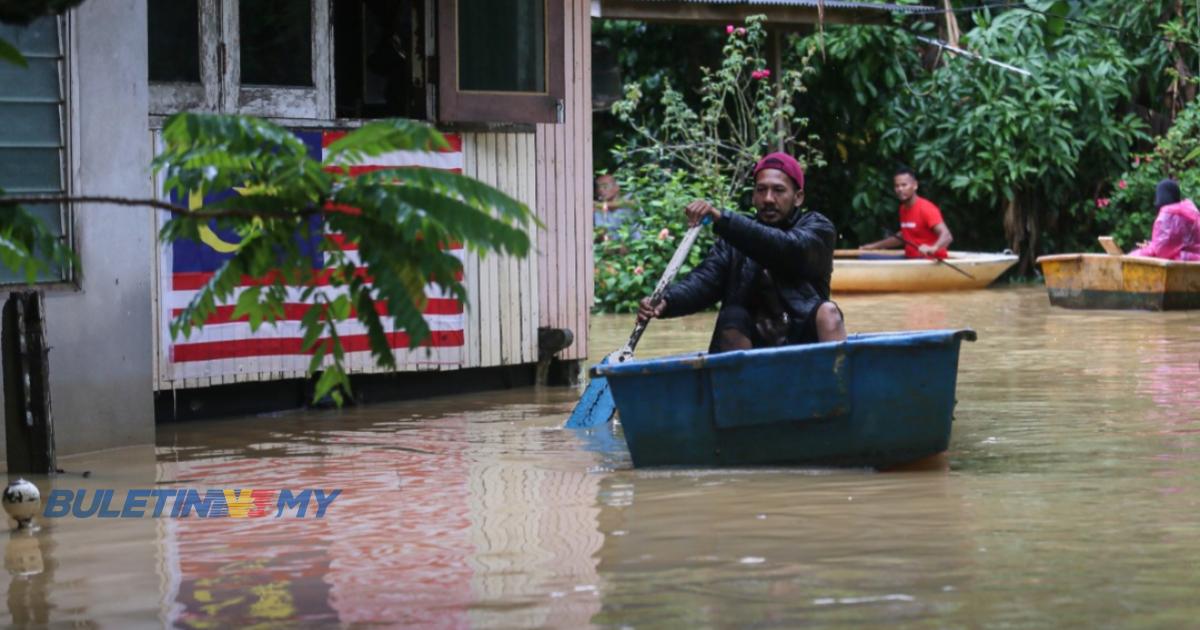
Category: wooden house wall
[548,169]
[564,193]
[502,308]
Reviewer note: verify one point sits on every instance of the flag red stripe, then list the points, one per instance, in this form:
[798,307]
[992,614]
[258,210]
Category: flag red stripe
[454,140]
[195,280]
[355,171]
[294,311]
[339,241]
[242,348]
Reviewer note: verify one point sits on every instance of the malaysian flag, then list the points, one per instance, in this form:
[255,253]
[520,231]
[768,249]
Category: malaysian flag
[225,350]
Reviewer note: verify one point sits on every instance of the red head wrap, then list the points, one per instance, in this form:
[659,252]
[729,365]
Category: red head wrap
[783,162]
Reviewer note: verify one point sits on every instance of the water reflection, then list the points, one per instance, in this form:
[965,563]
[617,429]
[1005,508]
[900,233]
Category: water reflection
[781,547]
[445,520]
[1070,495]
[79,571]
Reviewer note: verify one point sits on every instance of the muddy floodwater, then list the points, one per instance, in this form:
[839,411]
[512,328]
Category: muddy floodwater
[1072,498]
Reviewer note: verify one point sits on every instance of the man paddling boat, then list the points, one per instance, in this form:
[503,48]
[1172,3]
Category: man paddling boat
[770,273]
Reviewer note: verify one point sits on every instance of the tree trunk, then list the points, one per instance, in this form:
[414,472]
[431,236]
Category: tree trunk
[1022,224]
[29,428]
[953,34]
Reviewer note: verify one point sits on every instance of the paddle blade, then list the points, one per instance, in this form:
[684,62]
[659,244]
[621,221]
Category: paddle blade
[595,407]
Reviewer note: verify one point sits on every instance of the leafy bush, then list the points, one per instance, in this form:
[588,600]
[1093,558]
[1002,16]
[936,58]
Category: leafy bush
[1013,146]
[688,153]
[1130,211]
[627,268]
[1013,161]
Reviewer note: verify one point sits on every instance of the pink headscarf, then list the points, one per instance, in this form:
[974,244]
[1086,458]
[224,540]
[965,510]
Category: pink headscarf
[783,162]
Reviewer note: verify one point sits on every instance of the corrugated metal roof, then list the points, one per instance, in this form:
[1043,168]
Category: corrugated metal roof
[829,4]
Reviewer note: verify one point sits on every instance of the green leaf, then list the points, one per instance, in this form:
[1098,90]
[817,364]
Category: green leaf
[9,53]
[247,304]
[310,323]
[382,136]
[340,308]
[331,378]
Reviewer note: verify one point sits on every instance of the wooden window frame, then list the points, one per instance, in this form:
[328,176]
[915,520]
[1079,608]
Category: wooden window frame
[220,88]
[455,105]
[169,97]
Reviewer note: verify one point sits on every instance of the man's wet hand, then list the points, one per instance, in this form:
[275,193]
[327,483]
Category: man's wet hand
[698,209]
[648,310]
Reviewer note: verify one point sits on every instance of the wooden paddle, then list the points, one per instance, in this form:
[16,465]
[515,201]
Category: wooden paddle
[868,253]
[596,405]
[941,260]
[1110,246]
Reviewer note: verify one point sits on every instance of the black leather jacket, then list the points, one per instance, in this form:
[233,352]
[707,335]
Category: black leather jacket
[798,254]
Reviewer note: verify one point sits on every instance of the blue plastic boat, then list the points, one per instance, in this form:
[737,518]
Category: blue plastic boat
[875,400]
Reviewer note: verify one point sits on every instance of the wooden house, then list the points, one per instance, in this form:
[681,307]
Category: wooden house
[508,79]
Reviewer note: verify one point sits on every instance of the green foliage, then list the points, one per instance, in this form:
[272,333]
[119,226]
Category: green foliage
[1015,146]
[29,246]
[9,54]
[628,267]
[743,114]
[680,150]
[1012,160]
[400,219]
[1130,211]
[648,55]
[851,87]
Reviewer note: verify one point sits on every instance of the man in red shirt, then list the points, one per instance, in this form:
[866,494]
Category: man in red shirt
[923,233]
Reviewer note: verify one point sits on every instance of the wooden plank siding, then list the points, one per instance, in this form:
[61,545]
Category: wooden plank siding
[548,168]
[564,193]
[503,306]
[502,292]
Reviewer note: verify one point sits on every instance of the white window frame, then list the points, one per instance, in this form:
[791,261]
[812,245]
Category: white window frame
[220,88]
[68,137]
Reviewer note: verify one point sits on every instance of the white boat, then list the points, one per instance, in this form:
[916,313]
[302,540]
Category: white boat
[880,271]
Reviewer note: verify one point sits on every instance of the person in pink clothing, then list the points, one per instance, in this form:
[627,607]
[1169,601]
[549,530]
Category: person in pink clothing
[1176,234]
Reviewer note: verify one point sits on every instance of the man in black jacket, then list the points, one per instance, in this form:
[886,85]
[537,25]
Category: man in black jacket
[771,273]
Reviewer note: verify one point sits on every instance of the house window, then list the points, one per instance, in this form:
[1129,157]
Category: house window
[501,60]
[381,56]
[31,138]
[175,38]
[260,57]
[491,60]
[275,37]
[501,46]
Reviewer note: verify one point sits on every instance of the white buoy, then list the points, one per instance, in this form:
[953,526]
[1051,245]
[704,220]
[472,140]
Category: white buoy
[22,500]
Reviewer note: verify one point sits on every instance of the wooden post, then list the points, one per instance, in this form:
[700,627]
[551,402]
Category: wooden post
[28,426]
[775,42]
[550,342]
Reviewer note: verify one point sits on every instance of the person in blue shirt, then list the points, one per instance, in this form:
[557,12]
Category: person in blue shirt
[610,211]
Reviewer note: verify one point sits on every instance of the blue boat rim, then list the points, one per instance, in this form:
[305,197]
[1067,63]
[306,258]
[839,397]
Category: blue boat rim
[700,360]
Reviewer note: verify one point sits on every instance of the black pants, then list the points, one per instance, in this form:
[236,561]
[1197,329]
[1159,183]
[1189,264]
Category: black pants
[800,330]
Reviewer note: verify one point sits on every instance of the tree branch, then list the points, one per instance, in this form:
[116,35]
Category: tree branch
[15,200]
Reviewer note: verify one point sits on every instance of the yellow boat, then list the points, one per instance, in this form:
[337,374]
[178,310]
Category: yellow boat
[1110,281]
[880,271]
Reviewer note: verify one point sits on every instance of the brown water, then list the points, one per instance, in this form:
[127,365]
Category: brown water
[1071,500]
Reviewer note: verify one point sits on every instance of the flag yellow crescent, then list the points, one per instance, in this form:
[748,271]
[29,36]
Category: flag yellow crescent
[207,235]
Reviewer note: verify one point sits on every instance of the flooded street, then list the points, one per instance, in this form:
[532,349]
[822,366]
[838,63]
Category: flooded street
[1071,499]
